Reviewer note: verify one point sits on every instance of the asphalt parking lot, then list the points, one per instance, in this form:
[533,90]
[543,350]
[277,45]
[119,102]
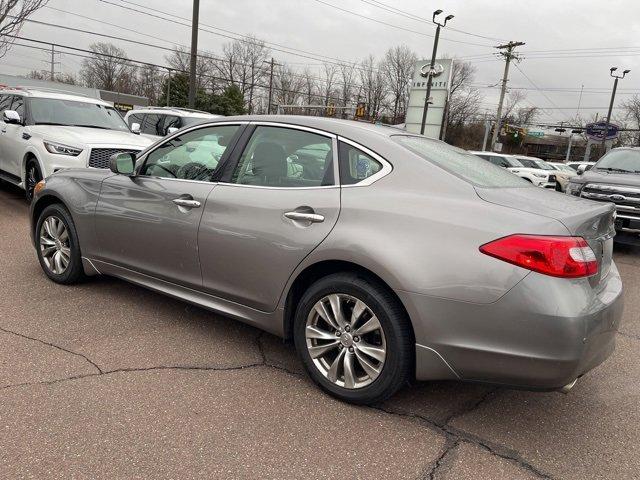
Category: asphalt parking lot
[109,380]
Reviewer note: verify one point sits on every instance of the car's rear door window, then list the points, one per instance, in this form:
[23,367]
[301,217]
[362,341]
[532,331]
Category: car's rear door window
[285,157]
[356,165]
[152,124]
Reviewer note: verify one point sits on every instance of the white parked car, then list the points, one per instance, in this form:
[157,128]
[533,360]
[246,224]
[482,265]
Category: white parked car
[562,178]
[43,131]
[564,175]
[538,177]
[157,122]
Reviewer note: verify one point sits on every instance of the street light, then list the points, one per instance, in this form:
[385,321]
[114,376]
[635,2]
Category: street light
[613,96]
[432,66]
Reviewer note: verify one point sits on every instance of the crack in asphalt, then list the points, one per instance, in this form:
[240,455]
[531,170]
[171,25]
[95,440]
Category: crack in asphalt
[66,350]
[453,435]
[629,335]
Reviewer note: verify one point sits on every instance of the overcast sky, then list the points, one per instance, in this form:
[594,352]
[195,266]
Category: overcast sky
[569,43]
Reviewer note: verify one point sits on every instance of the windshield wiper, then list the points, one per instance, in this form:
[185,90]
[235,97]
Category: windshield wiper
[91,126]
[52,123]
[611,169]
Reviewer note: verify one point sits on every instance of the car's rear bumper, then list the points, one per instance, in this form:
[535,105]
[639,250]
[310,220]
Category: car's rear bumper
[544,333]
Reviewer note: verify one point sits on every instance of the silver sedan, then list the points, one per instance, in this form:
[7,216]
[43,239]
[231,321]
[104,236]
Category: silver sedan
[385,257]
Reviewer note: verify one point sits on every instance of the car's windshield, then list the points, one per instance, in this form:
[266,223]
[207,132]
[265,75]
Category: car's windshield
[625,161]
[54,111]
[531,163]
[461,163]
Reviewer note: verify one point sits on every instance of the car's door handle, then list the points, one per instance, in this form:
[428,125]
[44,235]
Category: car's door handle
[4,130]
[305,217]
[187,203]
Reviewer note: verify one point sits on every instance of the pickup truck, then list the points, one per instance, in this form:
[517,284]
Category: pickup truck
[615,178]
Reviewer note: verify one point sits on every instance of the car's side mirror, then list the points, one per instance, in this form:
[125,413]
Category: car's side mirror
[135,128]
[171,130]
[11,116]
[581,169]
[122,163]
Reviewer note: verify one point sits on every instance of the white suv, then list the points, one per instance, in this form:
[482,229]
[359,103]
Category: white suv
[538,177]
[43,131]
[157,122]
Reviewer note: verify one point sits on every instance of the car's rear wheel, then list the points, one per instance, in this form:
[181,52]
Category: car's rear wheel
[32,177]
[354,338]
[57,245]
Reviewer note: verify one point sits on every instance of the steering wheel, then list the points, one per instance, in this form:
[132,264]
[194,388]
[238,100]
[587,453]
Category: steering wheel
[157,165]
[192,171]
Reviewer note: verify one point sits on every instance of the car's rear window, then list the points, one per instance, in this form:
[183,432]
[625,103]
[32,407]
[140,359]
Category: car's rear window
[461,163]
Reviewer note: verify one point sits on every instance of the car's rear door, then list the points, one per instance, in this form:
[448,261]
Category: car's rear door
[277,202]
[149,222]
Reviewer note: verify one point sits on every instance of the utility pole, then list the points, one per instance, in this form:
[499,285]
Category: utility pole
[432,66]
[508,55]
[53,62]
[270,86]
[194,54]
[168,87]
[613,97]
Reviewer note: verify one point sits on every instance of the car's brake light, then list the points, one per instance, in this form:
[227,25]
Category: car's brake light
[567,257]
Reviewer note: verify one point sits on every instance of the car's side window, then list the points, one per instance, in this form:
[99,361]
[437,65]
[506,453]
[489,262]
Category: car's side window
[193,155]
[134,118]
[286,157]
[170,121]
[152,124]
[5,103]
[499,161]
[18,106]
[355,165]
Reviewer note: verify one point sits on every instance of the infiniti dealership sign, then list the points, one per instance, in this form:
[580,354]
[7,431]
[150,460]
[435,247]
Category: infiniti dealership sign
[440,88]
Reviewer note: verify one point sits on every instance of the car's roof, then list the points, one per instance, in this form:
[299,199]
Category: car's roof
[498,154]
[346,128]
[180,112]
[56,94]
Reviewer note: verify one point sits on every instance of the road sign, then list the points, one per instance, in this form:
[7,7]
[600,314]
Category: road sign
[597,131]
[535,133]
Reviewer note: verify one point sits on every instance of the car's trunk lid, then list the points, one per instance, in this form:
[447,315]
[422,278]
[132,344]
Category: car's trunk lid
[583,218]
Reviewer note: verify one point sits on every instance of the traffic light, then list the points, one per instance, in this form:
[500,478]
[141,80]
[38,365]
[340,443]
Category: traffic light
[331,111]
[360,110]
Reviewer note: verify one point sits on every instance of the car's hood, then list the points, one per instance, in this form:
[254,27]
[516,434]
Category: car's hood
[626,179]
[86,137]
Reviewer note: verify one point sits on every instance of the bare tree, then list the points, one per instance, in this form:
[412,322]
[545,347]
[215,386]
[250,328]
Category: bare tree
[180,60]
[327,89]
[631,108]
[464,102]
[514,98]
[310,87]
[398,67]
[149,83]
[373,86]
[348,84]
[13,14]
[108,69]
[527,115]
[243,64]
[287,86]
[59,77]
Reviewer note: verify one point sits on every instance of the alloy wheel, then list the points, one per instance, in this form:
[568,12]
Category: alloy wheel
[33,177]
[54,245]
[345,341]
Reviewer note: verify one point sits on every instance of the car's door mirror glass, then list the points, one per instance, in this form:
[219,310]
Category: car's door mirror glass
[11,116]
[122,163]
[135,128]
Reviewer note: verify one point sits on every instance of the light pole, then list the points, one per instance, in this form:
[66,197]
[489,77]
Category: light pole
[432,66]
[613,96]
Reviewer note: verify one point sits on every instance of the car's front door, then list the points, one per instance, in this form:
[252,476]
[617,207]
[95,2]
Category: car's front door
[149,222]
[14,140]
[5,141]
[276,205]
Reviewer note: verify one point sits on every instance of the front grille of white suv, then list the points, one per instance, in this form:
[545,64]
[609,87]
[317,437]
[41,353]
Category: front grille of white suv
[99,157]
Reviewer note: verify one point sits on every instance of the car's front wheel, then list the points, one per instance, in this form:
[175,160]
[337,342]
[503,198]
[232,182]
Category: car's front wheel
[57,245]
[32,177]
[354,338]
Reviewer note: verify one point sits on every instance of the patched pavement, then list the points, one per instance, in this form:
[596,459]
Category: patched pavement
[109,380]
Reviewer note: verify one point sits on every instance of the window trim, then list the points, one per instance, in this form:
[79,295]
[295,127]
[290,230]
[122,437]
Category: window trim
[386,169]
[143,159]
[334,149]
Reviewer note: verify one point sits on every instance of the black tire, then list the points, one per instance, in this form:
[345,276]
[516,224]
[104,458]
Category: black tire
[74,271]
[32,176]
[399,362]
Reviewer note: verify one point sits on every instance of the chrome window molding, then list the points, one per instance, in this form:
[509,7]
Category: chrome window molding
[269,187]
[384,171]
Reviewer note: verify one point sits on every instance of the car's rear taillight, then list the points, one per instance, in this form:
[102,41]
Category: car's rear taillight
[567,257]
